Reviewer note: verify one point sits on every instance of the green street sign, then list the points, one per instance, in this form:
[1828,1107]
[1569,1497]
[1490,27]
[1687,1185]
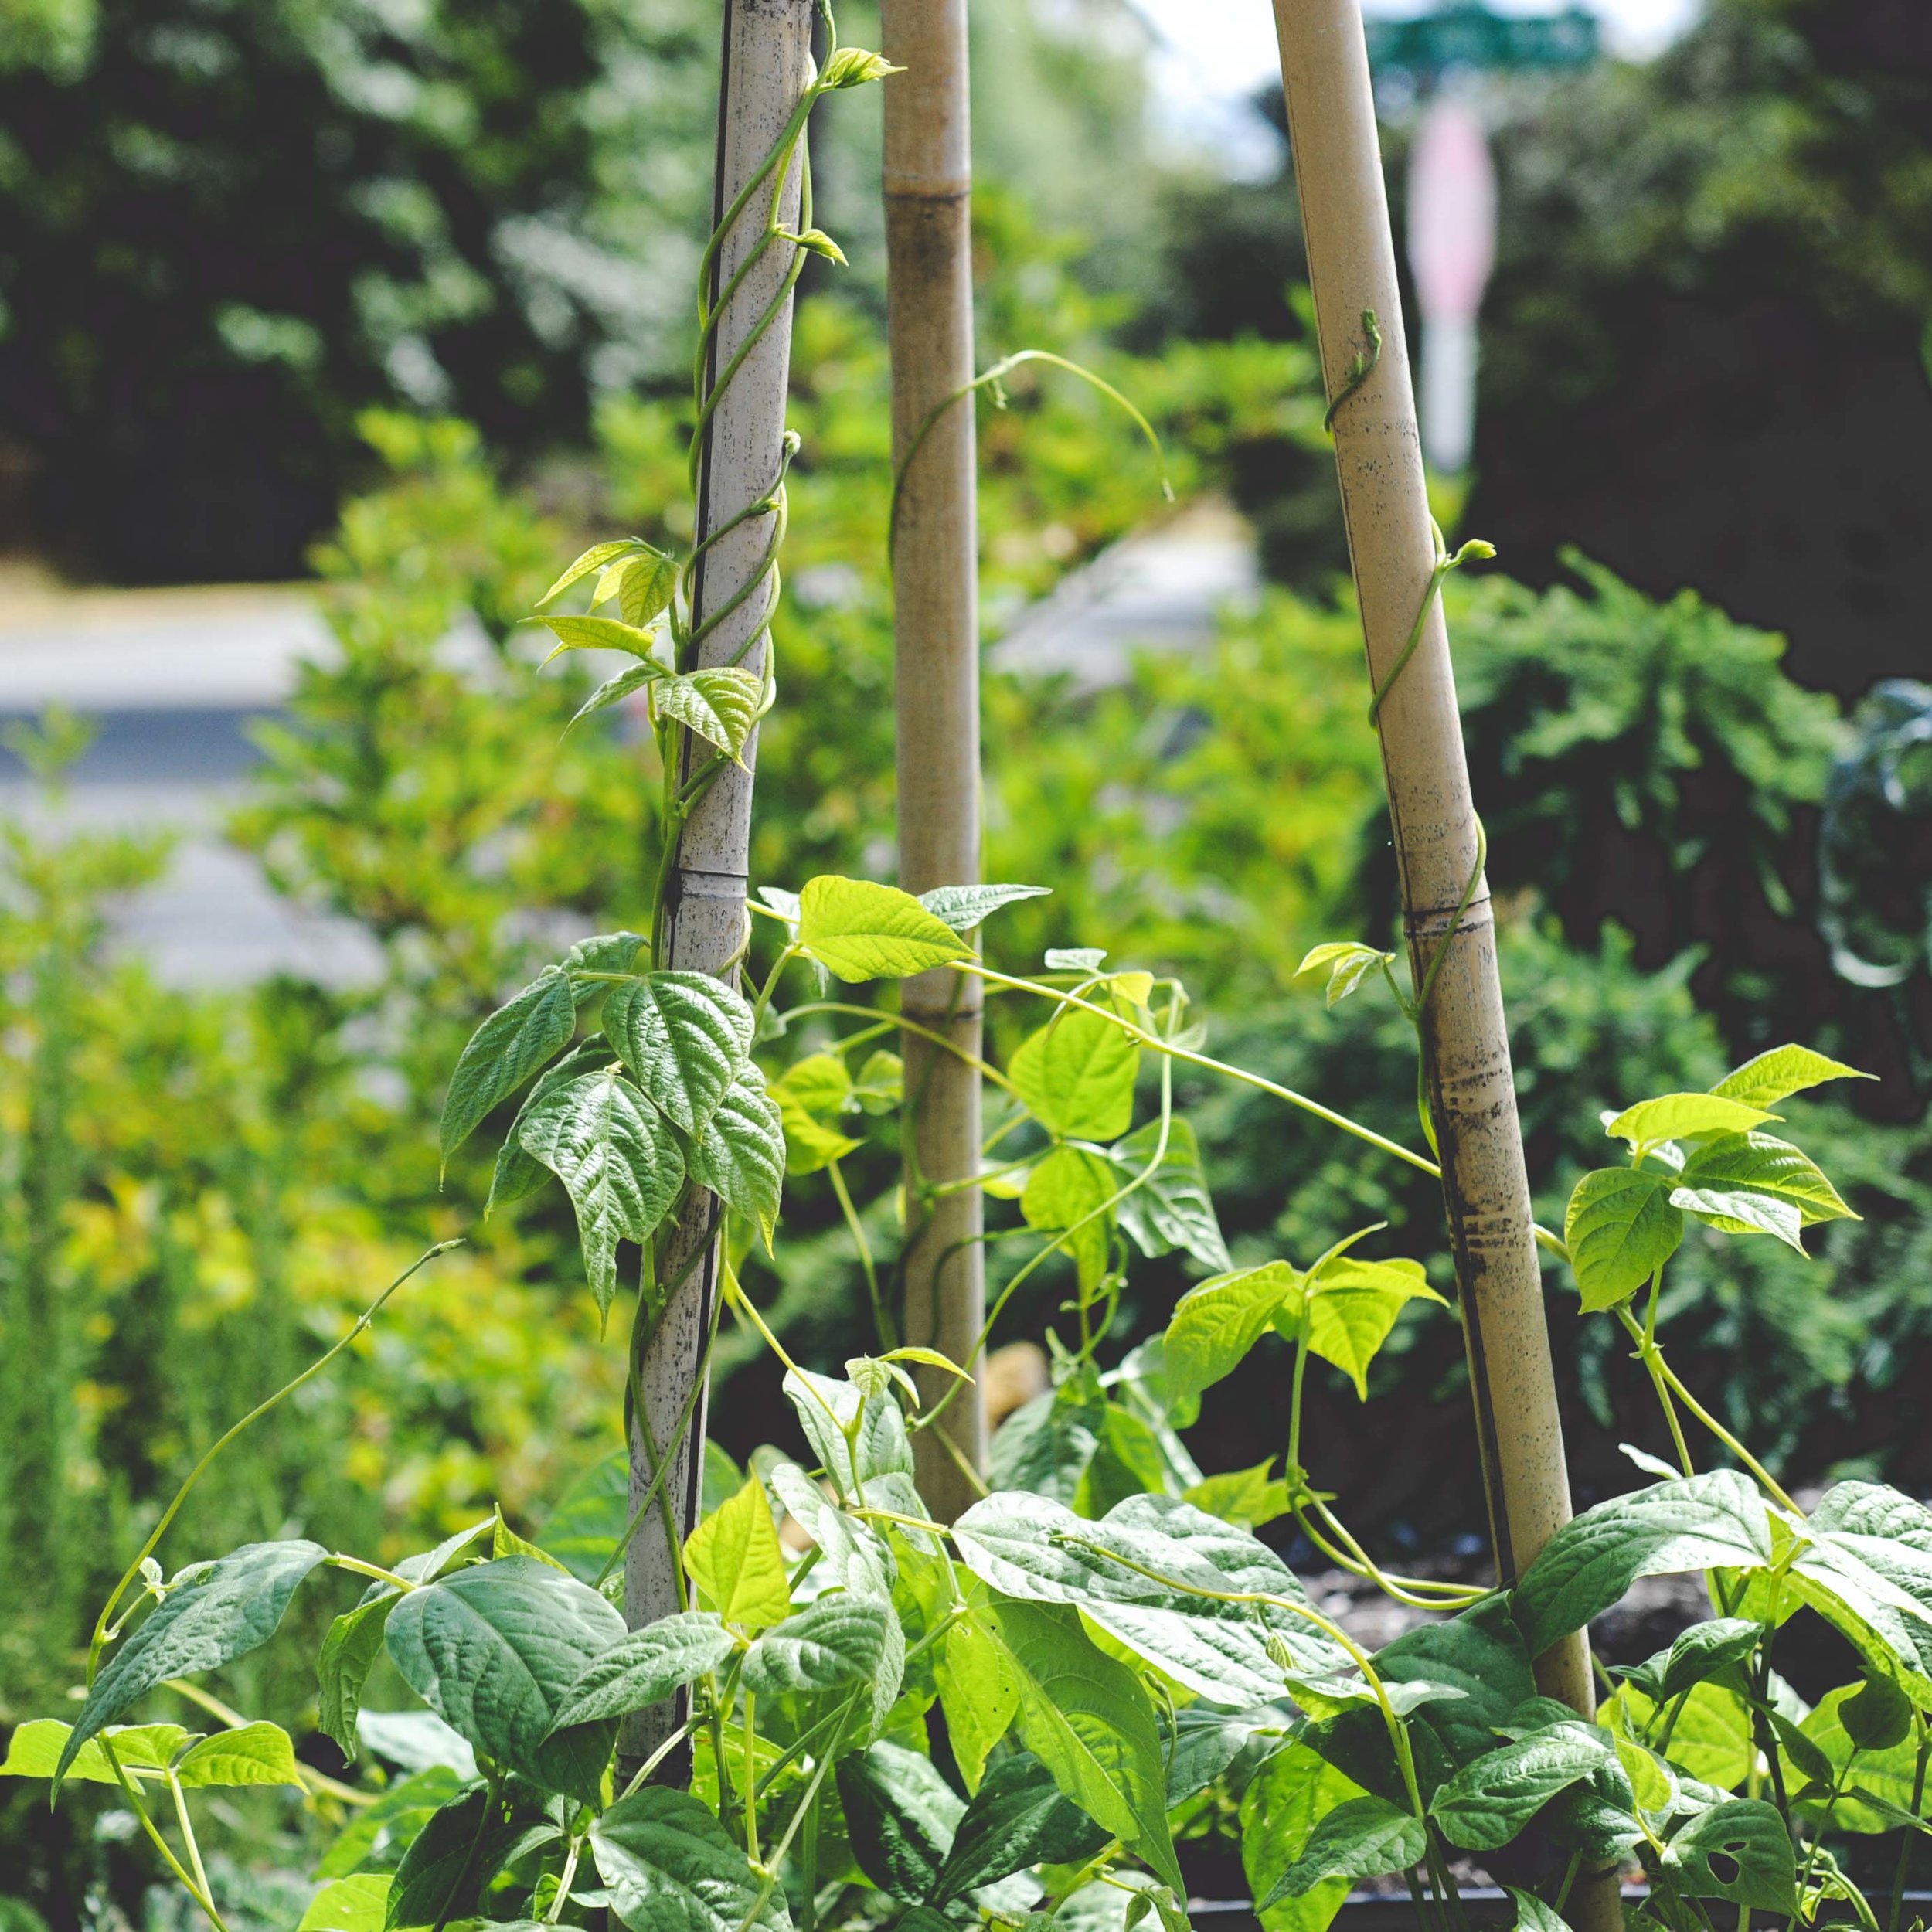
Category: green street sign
[1467,35]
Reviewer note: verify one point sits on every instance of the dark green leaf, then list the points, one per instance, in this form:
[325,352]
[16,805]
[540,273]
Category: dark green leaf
[643,1667]
[1479,1652]
[1172,1208]
[517,1175]
[669,1866]
[1362,1838]
[1492,1798]
[442,1874]
[839,1642]
[617,1158]
[1716,1521]
[1018,1818]
[211,1614]
[740,1155]
[1045,1445]
[505,1051]
[377,1833]
[1699,1653]
[1738,1851]
[900,1816]
[582,1530]
[684,1036]
[495,1650]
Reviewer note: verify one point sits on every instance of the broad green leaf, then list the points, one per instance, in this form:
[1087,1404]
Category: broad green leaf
[596,633]
[211,1614]
[858,930]
[495,1650]
[1086,1718]
[1070,1189]
[684,1036]
[1739,1851]
[1620,1228]
[505,1051]
[840,1641]
[1678,1116]
[962,907]
[517,1175]
[598,557]
[1866,1567]
[1172,1208]
[1887,1773]
[1018,1816]
[1077,1075]
[373,1839]
[720,707]
[249,1754]
[1734,1210]
[1217,1323]
[1878,1714]
[1248,1499]
[1489,1801]
[734,1557]
[1026,1546]
[1127,1461]
[620,952]
[1712,1739]
[643,1667]
[978,1692]
[1775,1076]
[900,1816]
[1045,1445]
[1479,1652]
[455,1855]
[1716,1521]
[1279,1809]
[644,585]
[741,1155]
[416,1741]
[1532,1915]
[357,1904]
[827,1408]
[618,1160]
[1697,1653]
[34,1751]
[669,1866]
[1765,1173]
[1203,1741]
[1351,1307]
[1362,1838]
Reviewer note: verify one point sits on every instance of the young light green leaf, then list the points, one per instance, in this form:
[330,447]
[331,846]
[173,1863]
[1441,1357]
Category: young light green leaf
[853,66]
[1217,1324]
[1352,1306]
[643,584]
[1739,1851]
[249,1754]
[1349,962]
[734,1558]
[35,1748]
[1678,1116]
[643,1667]
[211,1614]
[1532,1915]
[859,930]
[741,1155]
[1086,1718]
[963,907]
[1758,1182]
[1775,1076]
[505,1051]
[1172,1208]
[1077,1075]
[598,557]
[1711,1739]
[669,1866]
[1018,1818]
[839,1642]
[615,690]
[978,1692]
[617,1158]
[1362,1838]
[1248,1499]
[1279,1809]
[1070,1190]
[1715,1521]
[720,707]
[1487,1802]
[494,1650]
[684,1036]
[1620,1227]
[596,633]
[1886,1776]
[358,1902]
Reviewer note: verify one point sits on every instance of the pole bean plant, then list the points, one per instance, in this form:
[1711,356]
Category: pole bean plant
[890,1720]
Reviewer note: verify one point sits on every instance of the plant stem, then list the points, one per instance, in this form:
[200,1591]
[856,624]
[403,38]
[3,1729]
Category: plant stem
[1918,1800]
[881,1315]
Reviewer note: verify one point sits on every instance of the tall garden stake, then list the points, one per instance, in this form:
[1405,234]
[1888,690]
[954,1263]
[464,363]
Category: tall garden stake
[767,68]
[935,632]
[1447,919]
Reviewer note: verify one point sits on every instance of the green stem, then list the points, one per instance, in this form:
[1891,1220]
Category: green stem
[1918,1800]
[881,1318]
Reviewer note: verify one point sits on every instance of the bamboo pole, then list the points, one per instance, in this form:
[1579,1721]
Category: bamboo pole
[1445,906]
[936,640]
[767,67]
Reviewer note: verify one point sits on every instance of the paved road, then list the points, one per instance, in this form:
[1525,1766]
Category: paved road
[174,679]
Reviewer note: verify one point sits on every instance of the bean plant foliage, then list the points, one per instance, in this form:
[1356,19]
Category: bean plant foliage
[1103,1642]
